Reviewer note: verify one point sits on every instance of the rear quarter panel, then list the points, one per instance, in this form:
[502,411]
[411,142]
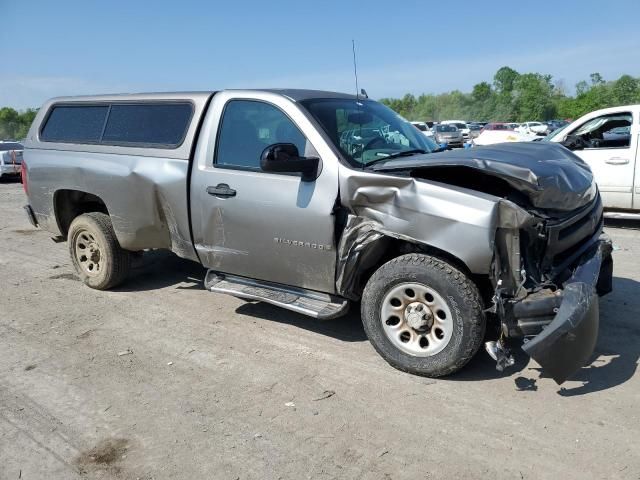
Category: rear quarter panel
[146,196]
[144,189]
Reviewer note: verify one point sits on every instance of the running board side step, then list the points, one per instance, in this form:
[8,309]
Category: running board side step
[307,302]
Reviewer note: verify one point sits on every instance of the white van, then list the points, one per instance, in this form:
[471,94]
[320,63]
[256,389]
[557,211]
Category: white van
[607,140]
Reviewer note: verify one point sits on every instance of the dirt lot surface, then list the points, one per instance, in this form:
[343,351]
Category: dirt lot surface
[161,379]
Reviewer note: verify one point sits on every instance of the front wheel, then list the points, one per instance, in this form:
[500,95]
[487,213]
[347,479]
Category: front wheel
[98,258]
[423,315]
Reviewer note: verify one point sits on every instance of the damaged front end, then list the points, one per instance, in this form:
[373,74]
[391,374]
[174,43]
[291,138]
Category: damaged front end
[548,274]
[549,257]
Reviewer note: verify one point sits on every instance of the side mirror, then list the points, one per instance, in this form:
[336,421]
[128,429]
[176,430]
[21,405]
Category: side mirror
[285,158]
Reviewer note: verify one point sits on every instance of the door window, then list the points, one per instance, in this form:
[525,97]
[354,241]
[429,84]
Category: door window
[606,131]
[248,127]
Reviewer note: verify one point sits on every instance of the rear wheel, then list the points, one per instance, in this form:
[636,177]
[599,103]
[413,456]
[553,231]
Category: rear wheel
[423,315]
[98,258]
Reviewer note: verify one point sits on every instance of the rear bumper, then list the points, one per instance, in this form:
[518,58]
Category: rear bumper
[10,169]
[566,344]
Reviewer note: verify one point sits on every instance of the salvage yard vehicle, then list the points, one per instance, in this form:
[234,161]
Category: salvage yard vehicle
[448,134]
[424,128]
[460,125]
[607,140]
[313,201]
[474,130]
[537,128]
[10,158]
[496,126]
[492,137]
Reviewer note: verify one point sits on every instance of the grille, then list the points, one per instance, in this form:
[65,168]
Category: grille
[568,239]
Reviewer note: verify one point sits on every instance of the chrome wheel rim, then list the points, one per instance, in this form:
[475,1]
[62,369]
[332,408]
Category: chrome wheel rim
[416,319]
[88,253]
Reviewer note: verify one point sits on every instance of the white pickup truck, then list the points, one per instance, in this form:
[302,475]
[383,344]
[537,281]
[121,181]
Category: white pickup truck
[607,140]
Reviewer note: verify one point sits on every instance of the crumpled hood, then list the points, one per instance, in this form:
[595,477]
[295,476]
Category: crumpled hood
[550,175]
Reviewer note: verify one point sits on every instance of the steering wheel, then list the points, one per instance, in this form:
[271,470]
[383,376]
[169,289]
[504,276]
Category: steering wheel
[372,142]
[595,142]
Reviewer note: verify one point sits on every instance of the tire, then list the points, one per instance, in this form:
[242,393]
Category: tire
[90,233]
[443,335]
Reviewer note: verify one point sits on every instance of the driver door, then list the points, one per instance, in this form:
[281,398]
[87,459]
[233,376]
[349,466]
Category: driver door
[266,226]
[611,156]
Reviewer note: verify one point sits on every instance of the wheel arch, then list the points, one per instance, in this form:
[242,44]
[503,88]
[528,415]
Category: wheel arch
[363,258]
[69,204]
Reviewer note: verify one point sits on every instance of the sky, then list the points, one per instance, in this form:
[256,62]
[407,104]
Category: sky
[51,48]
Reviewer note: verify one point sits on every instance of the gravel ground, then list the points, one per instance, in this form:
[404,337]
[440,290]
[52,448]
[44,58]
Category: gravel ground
[161,379]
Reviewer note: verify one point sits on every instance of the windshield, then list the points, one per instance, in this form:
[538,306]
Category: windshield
[460,125]
[364,130]
[446,128]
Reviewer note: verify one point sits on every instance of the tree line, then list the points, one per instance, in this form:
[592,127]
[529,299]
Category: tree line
[519,97]
[14,125]
[510,97]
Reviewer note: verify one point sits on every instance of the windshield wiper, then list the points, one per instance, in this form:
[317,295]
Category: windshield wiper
[404,153]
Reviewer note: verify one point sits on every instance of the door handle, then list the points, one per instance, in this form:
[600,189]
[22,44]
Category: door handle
[617,161]
[221,190]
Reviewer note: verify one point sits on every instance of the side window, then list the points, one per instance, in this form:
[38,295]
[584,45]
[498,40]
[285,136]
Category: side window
[606,131]
[150,124]
[75,124]
[158,125]
[248,127]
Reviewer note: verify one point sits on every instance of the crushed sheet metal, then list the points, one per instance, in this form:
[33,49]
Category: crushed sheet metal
[364,237]
[358,236]
[447,218]
[566,344]
[545,172]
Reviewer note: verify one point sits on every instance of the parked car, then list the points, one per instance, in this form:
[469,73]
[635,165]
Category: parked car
[492,137]
[266,190]
[556,124]
[428,132]
[460,125]
[474,130]
[449,134]
[496,126]
[10,158]
[607,140]
[424,128]
[537,128]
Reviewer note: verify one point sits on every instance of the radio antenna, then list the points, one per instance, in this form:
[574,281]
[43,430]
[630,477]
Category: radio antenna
[355,67]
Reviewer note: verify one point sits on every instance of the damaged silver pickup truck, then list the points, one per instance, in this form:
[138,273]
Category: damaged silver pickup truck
[313,201]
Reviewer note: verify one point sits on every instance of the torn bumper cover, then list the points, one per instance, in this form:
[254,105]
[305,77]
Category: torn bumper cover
[565,344]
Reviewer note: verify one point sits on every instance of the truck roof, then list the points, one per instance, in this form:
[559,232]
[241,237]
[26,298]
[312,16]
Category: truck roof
[181,150]
[292,93]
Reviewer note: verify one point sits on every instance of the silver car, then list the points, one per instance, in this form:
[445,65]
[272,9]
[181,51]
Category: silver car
[10,158]
[448,134]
